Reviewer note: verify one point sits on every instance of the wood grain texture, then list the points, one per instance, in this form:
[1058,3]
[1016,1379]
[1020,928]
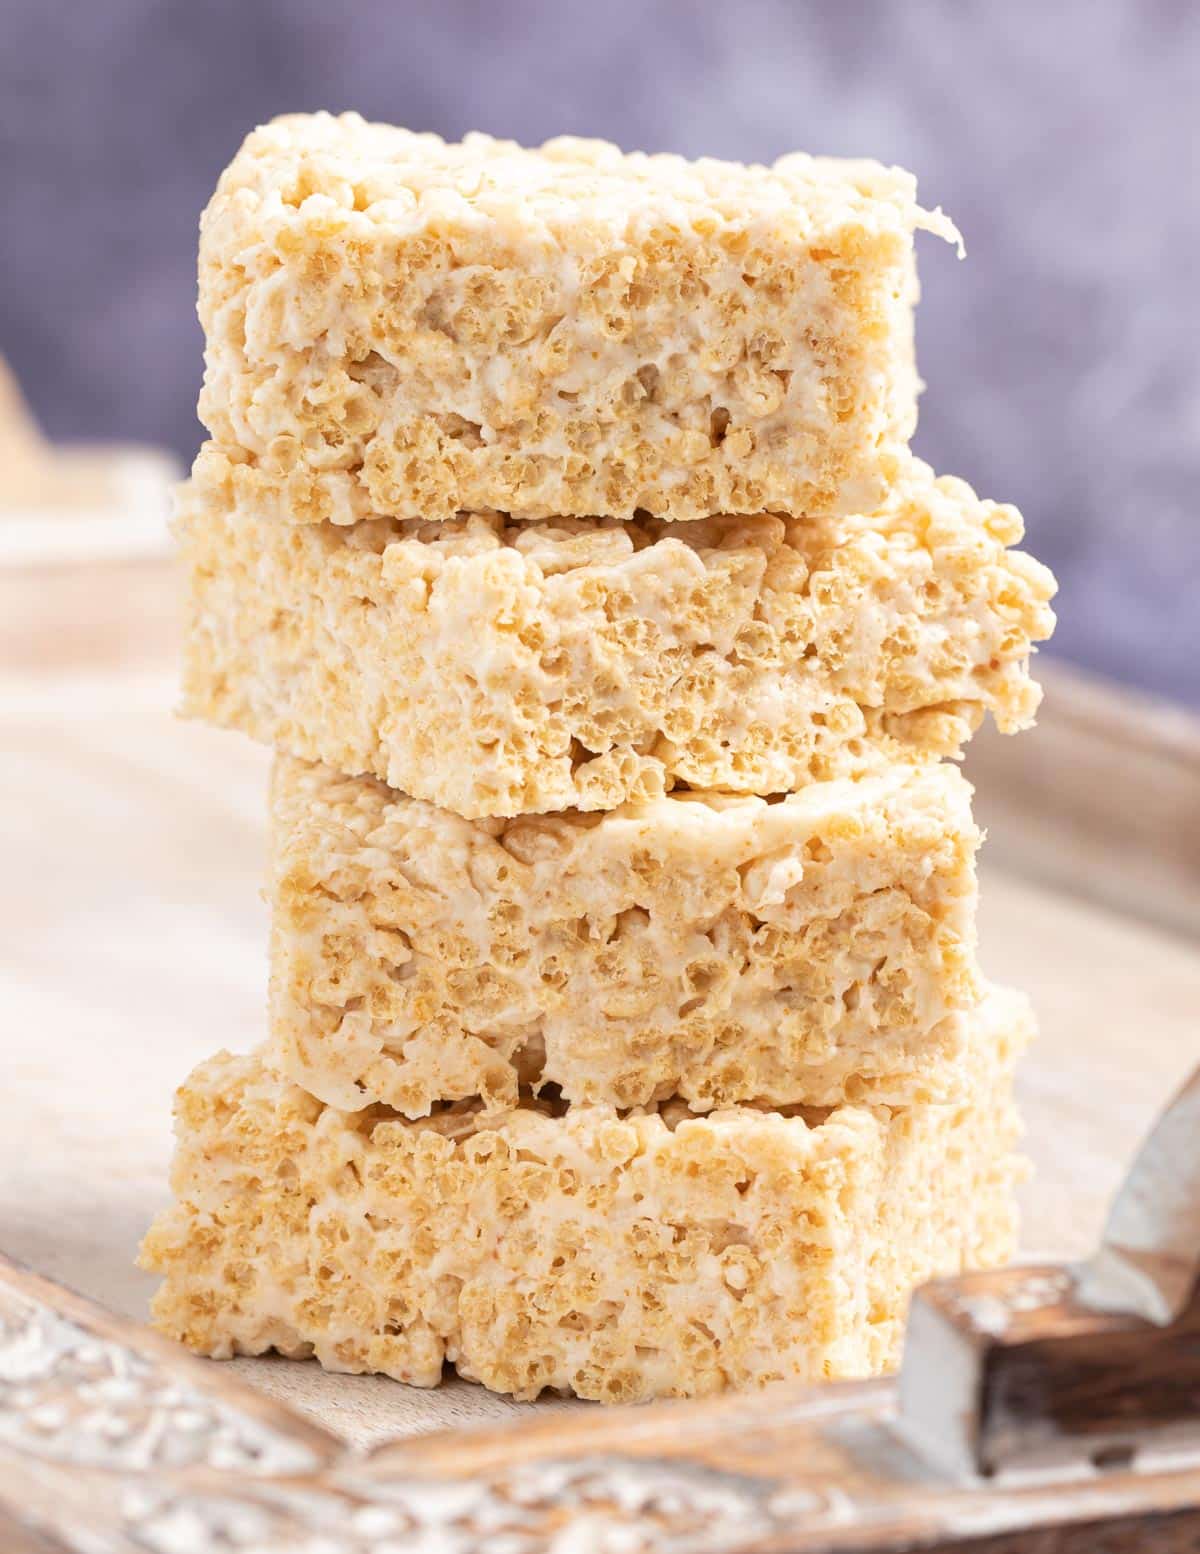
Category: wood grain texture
[1102,802]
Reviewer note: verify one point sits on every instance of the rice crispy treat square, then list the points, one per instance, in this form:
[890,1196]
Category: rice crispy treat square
[499,669]
[402,327]
[717,948]
[618,1257]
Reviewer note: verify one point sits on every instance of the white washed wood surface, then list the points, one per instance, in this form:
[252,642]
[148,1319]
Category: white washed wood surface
[132,944]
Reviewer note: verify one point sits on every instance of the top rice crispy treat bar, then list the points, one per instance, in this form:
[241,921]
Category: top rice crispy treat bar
[495,668]
[401,327]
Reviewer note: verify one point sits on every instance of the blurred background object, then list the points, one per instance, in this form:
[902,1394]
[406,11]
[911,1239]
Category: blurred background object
[1060,359]
[85,553]
[54,483]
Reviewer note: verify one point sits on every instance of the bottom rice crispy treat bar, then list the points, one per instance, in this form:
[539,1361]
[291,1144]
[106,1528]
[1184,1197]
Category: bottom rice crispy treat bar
[714,948]
[616,1256]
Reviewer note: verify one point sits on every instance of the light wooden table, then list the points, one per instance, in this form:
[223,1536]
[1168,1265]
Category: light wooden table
[132,944]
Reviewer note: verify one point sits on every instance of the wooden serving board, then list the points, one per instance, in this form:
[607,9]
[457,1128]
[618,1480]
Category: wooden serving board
[132,944]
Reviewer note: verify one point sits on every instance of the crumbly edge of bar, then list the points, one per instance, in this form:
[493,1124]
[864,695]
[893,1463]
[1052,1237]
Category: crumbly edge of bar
[501,668]
[386,172]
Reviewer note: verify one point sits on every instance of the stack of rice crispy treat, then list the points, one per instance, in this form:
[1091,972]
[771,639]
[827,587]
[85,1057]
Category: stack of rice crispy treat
[559,530]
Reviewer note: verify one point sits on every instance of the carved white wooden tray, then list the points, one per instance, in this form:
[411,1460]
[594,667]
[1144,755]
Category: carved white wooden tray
[1052,1407]
[131,944]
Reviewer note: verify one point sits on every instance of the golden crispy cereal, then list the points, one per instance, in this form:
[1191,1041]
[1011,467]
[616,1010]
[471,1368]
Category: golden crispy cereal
[499,669]
[616,1256]
[402,327]
[717,948]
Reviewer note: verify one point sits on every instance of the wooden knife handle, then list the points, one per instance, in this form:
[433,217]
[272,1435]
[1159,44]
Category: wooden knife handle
[1094,1363]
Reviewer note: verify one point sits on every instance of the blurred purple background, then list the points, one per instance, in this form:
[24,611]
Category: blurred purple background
[1062,361]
